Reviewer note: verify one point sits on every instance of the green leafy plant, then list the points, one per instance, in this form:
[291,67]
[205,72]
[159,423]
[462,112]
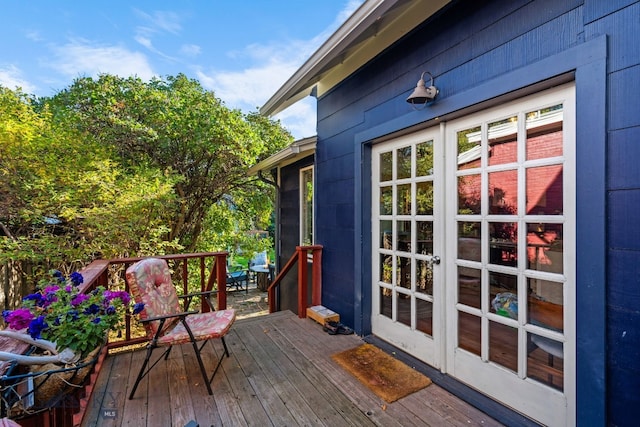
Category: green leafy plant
[60,313]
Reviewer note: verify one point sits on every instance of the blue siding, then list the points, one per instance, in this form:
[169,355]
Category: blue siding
[624,152]
[477,51]
[289,223]
[621,22]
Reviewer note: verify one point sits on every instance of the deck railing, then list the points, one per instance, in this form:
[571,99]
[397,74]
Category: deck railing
[212,273]
[300,257]
[210,268]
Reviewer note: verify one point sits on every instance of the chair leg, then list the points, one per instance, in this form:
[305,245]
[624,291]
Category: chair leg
[224,344]
[226,352]
[144,370]
[196,349]
[142,373]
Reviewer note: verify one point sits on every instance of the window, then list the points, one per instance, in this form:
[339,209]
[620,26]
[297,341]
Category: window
[306,206]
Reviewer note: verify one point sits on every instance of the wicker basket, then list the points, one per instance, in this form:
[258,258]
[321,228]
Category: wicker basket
[44,387]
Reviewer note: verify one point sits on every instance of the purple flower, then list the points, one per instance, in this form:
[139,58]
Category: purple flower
[79,299]
[92,309]
[49,296]
[51,289]
[19,318]
[76,278]
[68,288]
[58,275]
[73,314]
[36,298]
[110,310]
[138,307]
[122,295]
[36,326]
[96,320]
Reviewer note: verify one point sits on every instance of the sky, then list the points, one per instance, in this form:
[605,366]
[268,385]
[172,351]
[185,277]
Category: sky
[242,50]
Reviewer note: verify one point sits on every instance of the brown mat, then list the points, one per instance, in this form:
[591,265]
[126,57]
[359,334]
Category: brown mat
[387,377]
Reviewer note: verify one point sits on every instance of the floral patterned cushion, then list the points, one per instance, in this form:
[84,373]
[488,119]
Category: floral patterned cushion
[214,324]
[150,283]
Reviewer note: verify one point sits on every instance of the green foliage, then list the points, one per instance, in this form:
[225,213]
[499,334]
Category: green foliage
[113,167]
[58,312]
[176,126]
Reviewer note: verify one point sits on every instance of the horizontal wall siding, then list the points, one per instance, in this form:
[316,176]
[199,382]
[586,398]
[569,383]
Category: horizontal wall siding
[620,20]
[467,44]
[290,229]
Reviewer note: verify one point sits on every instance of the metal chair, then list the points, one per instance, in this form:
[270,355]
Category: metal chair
[167,324]
[238,277]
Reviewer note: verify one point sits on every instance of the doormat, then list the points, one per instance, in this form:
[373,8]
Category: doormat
[387,377]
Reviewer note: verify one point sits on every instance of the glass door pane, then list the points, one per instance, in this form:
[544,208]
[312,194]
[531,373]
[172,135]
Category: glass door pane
[510,220]
[404,209]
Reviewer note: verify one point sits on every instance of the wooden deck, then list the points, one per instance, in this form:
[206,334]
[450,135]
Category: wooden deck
[280,373]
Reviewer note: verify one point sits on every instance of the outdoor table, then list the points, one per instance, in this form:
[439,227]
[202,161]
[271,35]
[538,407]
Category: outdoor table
[264,275]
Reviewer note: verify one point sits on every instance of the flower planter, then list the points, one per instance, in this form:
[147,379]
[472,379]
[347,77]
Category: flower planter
[42,387]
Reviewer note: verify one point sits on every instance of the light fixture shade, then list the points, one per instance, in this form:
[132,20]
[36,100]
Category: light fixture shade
[423,94]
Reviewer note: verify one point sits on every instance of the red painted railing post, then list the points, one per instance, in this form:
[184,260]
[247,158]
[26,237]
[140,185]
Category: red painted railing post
[316,276]
[303,282]
[221,263]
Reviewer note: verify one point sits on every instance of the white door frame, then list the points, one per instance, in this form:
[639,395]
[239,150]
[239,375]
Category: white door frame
[408,338]
[543,403]
[550,406]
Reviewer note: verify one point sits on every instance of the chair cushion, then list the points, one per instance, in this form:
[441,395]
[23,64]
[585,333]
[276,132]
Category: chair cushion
[150,283]
[204,326]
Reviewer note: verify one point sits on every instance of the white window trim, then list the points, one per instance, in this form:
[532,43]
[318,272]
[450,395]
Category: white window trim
[302,195]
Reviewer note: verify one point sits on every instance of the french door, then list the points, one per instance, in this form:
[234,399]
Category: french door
[474,251]
[407,234]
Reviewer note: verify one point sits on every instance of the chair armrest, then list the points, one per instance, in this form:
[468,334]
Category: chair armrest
[195,294]
[168,316]
[207,295]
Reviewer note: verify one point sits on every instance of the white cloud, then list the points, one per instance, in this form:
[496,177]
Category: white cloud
[247,88]
[144,41]
[157,22]
[161,21]
[79,58]
[345,13]
[300,118]
[272,65]
[250,88]
[11,77]
[191,50]
[33,35]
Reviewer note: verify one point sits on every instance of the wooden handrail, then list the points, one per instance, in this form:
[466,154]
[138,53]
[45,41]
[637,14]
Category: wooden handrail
[300,257]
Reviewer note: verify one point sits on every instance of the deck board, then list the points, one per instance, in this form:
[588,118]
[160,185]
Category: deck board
[280,372]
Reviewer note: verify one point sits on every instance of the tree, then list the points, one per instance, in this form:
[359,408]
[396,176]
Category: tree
[65,201]
[178,127]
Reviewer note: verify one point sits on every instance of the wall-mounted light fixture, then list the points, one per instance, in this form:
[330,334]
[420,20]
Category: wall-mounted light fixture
[422,94]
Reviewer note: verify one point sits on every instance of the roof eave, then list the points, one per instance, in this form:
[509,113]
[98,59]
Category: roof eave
[299,149]
[299,82]
[350,47]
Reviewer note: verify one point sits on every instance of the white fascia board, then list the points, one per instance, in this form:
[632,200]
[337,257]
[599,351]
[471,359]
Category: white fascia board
[415,13]
[293,152]
[314,72]
[300,82]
